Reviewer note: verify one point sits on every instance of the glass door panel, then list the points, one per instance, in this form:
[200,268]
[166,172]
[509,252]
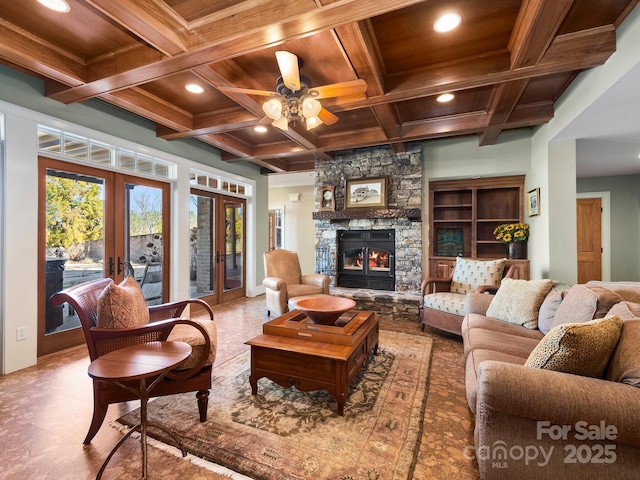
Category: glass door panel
[233,245]
[202,239]
[75,247]
[143,233]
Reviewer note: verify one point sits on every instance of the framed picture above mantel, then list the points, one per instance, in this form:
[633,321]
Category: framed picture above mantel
[366,193]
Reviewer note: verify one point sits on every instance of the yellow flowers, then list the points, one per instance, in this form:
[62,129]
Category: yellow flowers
[512,232]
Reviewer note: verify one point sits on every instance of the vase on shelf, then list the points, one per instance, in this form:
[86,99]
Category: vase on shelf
[516,250]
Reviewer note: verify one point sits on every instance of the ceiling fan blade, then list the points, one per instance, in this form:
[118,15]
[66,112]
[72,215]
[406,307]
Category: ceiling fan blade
[327,117]
[248,91]
[288,65]
[353,87]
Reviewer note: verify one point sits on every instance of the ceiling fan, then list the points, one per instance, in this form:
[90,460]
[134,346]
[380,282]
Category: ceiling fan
[295,99]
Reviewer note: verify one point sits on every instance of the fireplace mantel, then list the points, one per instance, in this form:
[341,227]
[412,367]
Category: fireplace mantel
[413,214]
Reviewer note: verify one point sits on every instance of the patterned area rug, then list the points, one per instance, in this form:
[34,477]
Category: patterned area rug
[285,434]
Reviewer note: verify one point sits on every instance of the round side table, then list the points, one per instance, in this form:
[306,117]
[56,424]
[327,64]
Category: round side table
[144,362]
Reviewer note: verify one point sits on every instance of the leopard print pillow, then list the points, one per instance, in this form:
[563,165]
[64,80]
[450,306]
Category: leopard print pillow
[578,348]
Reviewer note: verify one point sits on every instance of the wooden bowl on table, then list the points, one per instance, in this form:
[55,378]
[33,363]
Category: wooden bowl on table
[324,310]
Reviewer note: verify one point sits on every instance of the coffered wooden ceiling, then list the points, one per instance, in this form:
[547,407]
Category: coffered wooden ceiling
[507,63]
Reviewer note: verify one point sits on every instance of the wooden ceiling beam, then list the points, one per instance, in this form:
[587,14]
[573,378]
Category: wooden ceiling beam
[28,52]
[241,39]
[504,99]
[575,51]
[221,73]
[388,119]
[466,124]
[536,26]
[360,44]
[151,107]
[228,143]
[362,49]
[212,123]
[152,21]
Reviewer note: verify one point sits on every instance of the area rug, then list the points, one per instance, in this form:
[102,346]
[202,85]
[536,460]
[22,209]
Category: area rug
[285,434]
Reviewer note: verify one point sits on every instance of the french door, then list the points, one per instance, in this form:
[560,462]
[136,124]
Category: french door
[96,224]
[217,234]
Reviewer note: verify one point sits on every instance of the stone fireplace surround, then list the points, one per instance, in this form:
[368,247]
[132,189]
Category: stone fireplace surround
[403,214]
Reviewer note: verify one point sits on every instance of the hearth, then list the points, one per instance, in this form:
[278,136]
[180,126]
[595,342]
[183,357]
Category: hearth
[366,259]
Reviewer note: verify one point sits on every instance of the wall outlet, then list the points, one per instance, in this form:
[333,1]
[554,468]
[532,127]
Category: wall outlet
[21,333]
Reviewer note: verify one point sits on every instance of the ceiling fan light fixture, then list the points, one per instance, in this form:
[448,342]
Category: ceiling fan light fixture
[445,97]
[288,64]
[56,5]
[273,108]
[311,107]
[313,122]
[447,22]
[282,123]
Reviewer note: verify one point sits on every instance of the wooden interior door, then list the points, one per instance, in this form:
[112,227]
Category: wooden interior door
[589,226]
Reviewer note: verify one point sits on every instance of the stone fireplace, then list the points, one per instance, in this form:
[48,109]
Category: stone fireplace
[402,215]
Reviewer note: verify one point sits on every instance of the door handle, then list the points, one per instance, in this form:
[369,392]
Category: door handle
[120,265]
[110,266]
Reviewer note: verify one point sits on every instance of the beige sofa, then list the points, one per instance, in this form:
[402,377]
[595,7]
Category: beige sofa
[534,423]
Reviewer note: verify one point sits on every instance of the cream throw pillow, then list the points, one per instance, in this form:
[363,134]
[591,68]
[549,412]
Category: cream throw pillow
[578,348]
[122,306]
[470,274]
[518,301]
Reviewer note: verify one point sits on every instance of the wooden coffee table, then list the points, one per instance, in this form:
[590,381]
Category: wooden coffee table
[293,352]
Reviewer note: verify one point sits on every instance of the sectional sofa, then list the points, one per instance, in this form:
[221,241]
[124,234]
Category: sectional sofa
[533,419]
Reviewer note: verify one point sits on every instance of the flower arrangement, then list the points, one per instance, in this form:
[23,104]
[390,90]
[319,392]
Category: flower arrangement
[512,232]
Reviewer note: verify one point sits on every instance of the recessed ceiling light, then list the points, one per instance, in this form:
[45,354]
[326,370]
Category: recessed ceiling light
[445,97]
[56,5]
[447,22]
[260,128]
[194,88]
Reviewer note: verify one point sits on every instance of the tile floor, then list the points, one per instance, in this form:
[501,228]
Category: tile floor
[45,412]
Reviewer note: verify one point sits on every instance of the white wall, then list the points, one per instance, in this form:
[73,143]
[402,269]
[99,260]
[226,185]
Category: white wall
[298,225]
[21,245]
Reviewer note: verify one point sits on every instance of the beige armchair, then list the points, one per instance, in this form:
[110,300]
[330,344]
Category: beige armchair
[284,280]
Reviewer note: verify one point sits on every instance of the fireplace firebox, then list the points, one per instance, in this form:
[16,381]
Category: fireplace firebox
[366,259]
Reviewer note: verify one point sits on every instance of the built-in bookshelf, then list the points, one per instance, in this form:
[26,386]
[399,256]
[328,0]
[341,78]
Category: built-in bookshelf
[463,215]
